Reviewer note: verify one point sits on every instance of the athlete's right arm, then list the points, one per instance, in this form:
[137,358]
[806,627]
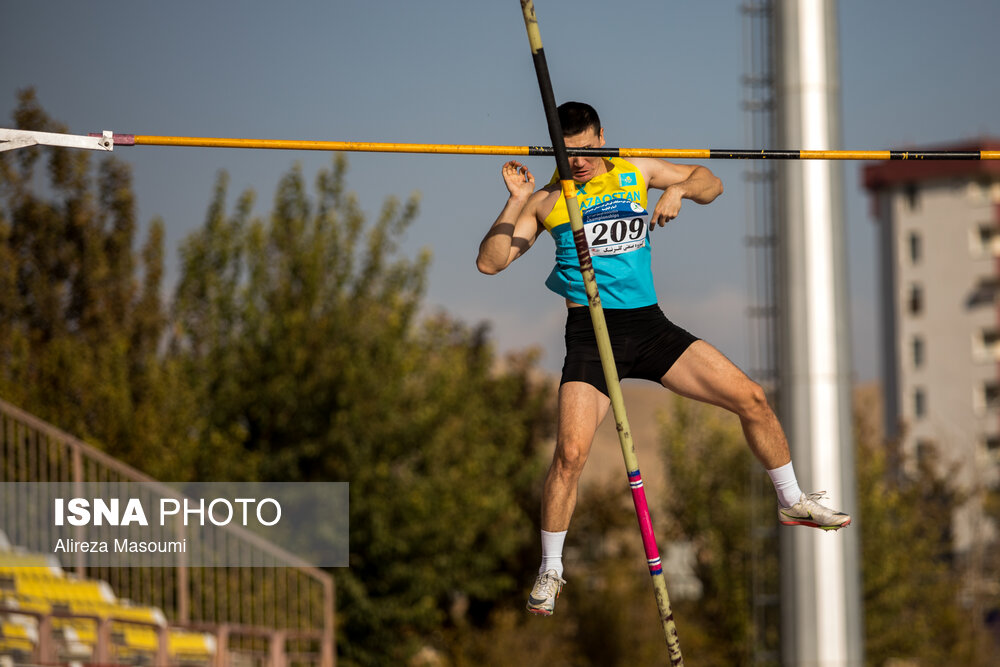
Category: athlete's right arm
[516,228]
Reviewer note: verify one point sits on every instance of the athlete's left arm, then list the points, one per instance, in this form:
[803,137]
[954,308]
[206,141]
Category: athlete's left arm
[678,182]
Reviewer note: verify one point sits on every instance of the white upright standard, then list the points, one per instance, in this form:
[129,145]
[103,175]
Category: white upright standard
[821,600]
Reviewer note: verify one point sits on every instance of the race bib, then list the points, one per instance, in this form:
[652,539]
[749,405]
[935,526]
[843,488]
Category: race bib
[614,227]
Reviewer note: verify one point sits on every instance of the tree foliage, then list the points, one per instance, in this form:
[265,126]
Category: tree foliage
[710,505]
[910,582]
[301,337]
[295,348]
[80,311]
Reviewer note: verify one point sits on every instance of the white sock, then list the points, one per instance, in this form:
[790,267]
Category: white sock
[785,485]
[552,544]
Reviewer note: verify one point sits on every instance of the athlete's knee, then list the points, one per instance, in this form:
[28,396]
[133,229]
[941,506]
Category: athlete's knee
[569,459]
[753,402]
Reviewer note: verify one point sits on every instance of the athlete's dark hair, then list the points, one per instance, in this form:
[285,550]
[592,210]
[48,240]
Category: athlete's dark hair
[577,117]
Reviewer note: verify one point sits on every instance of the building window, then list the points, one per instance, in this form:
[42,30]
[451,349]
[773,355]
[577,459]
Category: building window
[986,397]
[919,403]
[985,240]
[991,395]
[912,197]
[919,351]
[984,293]
[915,302]
[992,445]
[986,345]
[916,248]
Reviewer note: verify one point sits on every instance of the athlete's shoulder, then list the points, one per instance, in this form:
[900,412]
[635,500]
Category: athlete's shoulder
[544,200]
[645,165]
[656,172]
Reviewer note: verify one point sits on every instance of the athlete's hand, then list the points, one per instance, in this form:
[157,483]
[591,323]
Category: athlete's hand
[667,208]
[517,178]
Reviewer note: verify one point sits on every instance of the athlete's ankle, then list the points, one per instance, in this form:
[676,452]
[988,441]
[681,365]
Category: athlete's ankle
[552,545]
[785,484]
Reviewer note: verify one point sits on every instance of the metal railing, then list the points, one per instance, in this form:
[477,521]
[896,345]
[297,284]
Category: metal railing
[280,600]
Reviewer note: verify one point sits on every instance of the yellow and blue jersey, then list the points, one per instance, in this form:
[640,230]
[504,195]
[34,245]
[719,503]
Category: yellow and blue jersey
[616,223]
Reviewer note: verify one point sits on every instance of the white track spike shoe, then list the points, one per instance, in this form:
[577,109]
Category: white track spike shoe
[542,599]
[808,512]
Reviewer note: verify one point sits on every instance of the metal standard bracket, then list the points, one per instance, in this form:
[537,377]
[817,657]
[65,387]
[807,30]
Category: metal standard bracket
[12,139]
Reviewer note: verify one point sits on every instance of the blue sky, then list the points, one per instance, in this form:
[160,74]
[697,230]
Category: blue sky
[662,74]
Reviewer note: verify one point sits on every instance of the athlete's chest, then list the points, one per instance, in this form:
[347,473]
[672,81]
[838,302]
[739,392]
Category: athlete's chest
[615,186]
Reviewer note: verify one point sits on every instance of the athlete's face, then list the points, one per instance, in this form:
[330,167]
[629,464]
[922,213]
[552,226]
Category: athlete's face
[585,168]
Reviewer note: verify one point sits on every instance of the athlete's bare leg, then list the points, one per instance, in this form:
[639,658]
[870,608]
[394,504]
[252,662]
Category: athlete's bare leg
[582,408]
[705,374]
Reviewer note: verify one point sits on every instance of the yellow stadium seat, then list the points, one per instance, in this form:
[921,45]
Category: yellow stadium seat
[10,630]
[12,645]
[136,637]
[15,561]
[57,589]
[30,588]
[32,571]
[26,603]
[194,645]
[118,611]
[18,633]
[83,590]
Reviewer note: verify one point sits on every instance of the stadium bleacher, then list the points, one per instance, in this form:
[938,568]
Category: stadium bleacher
[278,612]
[34,586]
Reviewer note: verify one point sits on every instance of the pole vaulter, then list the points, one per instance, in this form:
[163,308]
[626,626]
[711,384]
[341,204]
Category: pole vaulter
[601,332]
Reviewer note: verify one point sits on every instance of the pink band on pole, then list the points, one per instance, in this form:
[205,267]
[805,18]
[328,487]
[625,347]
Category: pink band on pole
[645,523]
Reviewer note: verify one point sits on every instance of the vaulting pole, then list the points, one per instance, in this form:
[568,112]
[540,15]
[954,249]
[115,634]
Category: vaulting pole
[601,331]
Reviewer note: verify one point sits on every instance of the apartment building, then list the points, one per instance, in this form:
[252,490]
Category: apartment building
[939,254]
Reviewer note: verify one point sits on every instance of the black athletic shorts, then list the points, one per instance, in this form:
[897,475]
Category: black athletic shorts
[645,344]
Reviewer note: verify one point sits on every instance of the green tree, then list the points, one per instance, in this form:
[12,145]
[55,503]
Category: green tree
[710,505]
[910,582]
[301,336]
[80,310]
[607,614]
